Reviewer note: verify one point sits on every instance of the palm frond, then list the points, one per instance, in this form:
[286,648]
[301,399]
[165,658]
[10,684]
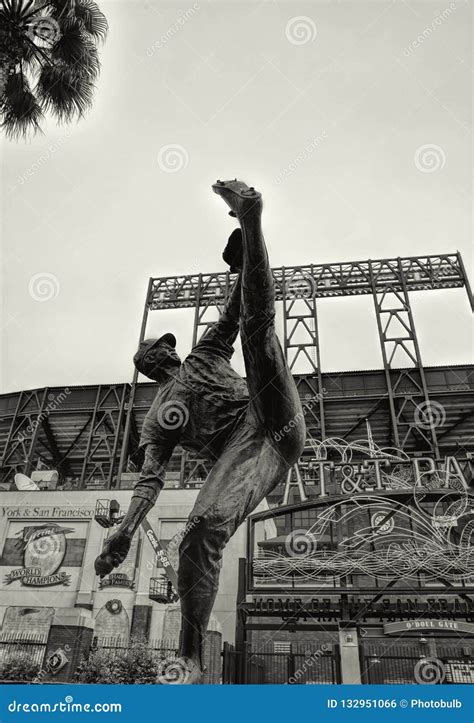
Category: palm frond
[20,112]
[54,43]
[76,50]
[64,92]
[93,20]
[62,8]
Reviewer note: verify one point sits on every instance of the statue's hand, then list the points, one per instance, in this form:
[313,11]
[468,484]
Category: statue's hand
[114,552]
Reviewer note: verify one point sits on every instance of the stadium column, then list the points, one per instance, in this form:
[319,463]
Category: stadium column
[412,419]
[350,660]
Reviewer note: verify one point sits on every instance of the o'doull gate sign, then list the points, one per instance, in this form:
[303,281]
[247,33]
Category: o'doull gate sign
[446,626]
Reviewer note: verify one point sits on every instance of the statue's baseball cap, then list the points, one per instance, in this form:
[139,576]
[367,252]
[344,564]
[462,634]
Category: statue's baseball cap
[148,344]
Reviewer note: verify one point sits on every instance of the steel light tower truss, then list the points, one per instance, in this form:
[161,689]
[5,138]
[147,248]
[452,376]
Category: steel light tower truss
[92,436]
[389,281]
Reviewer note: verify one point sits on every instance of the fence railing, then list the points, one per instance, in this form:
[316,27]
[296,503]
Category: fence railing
[403,665]
[27,645]
[298,663]
[165,647]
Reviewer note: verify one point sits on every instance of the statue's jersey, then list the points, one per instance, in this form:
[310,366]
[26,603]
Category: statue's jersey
[199,406]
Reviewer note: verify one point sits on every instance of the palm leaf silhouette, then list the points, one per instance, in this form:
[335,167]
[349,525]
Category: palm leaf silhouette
[49,61]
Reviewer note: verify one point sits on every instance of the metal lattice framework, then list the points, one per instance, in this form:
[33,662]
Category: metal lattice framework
[92,436]
[389,281]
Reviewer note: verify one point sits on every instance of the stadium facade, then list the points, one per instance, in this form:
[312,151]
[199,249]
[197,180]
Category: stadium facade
[358,569]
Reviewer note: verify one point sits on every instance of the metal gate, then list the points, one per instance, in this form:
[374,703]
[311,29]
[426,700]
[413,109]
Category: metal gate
[400,664]
[302,664]
[29,647]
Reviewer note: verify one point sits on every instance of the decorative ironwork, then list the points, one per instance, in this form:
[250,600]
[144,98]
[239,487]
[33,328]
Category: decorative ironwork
[380,538]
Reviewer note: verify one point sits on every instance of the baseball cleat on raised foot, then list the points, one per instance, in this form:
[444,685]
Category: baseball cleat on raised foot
[240,198]
[114,552]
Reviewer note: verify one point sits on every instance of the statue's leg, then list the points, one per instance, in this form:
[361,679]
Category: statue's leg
[249,468]
[253,461]
[272,389]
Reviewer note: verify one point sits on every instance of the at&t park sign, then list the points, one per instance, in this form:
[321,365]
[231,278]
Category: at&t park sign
[389,472]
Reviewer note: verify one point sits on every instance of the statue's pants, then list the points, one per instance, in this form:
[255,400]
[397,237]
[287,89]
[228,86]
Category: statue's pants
[257,456]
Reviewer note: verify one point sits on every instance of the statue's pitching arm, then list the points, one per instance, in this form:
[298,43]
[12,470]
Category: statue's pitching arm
[144,496]
[223,333]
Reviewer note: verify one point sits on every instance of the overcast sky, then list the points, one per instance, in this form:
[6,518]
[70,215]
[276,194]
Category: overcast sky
[327,107]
